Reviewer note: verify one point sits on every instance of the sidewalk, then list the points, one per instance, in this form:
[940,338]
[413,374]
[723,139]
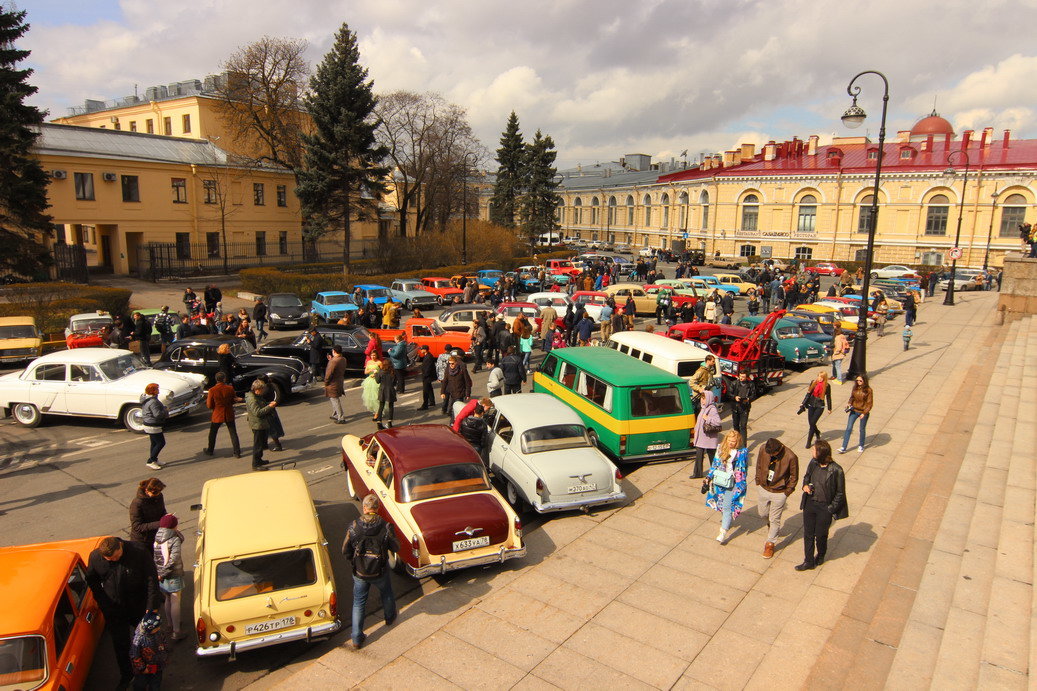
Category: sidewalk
[155,295]
[643,596]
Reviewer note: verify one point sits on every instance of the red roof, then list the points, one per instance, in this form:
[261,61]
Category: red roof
[933,124]
[414,447]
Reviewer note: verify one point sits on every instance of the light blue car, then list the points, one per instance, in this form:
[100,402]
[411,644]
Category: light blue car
[370,292]
[714,282]
[332,305]
[409,292]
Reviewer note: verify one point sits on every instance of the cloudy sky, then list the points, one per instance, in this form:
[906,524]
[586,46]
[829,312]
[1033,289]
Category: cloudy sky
[602,77]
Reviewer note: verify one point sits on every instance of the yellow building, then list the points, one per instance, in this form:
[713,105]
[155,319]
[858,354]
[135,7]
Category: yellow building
[797,199]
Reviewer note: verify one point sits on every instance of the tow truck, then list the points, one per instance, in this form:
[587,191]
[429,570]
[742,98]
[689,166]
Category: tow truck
[738,349]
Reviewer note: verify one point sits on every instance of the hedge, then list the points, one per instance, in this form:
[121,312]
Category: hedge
[51,304]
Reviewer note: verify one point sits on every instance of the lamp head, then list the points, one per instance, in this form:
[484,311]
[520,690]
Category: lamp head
[950,171]
[854,115]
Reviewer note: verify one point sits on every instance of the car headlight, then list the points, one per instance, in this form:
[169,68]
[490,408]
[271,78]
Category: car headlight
[304,315]
[295,378]
[275,315]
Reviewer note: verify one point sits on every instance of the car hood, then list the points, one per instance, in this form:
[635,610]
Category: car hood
[167,380]
[414,293]
[440,519]
[296,311]
[11,375]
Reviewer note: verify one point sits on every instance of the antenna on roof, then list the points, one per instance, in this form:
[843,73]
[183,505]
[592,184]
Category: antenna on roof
[935,96]
[134,91]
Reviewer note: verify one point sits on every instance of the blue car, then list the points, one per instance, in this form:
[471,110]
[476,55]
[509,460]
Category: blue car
[332,305]
[379,295]
[714,282]
[490,277]
[810,328]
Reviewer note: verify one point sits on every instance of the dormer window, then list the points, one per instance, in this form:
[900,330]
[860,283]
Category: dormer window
[907,153]
[873,154]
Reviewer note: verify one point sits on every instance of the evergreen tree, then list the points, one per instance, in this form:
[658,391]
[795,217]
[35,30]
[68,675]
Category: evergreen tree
[539,175]
[508,188]
[23,182]
[344,175]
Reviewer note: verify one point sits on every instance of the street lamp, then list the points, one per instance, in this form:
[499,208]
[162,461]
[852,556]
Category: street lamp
[949,297]
[853,118]
[464,209]
[990,232]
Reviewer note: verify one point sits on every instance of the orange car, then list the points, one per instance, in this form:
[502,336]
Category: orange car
[426,332]
[49,621]
[483,288]
[442,288]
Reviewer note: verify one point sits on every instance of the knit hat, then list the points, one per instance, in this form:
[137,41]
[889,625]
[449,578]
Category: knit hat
[167,521]
[772,447]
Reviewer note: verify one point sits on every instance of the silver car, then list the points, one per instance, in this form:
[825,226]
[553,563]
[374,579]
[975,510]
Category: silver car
[409,292]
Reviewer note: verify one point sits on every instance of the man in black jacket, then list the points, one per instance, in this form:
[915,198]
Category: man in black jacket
[142,334]
[743,392]
[124,581]
[473,429]
[514,371]
[428,378]
[727,306]
[259,317]
[368,542]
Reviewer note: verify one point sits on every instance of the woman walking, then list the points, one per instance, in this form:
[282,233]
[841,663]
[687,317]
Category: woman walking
[275,430]
[154,415]
[824,500]
[710,315]
[727,481]
[859,408]
[752,302]
[881,314]
[169,563]
[840,346]
[386,394]
[707,431]
[819,392]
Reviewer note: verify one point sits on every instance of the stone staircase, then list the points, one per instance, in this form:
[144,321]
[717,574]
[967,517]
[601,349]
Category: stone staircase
[974,612]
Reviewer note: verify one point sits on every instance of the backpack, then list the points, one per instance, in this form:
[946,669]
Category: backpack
[369,554]
[711,420]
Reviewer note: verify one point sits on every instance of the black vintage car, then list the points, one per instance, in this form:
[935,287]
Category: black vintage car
[353,340]
[198,354]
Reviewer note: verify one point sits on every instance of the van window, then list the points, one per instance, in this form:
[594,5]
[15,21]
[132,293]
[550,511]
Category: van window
[548,365]
[647,357]
[266,573]
[634,352]
[567,375]
[687,368]
[595,391]
[624,348]
[653,401]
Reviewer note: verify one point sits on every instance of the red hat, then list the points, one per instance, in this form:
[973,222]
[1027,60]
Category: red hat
[167,521]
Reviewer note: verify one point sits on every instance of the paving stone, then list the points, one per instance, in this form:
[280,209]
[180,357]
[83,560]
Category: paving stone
[605,559]
[687,683]
[685,503]
[531,682]
[403,673]
[662,516]
[788,662]
[916,656]
[568,669]
[532,614]
[546,586]
[519,647]
[652,630]
[954,530]
[713,593]
[1006,641]
[679,608]
[994,677]
[936,589]
[1014,551]
[992,487]
[1020,504]
[562,532]
[463,664]
[711,566]
[972,591]
[627,655]
[760,616]
[650,531]
[783,583]
[626,543]
[741,554]
[728,661]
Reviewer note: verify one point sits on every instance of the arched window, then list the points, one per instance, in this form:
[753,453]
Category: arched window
[648,210]
[750,213]
[594,211]
[936,215]
[665,201]
[612,211]
[683,201]
[704,201]
[804,253]
[578,211]
[630,209]
[807,214]
[559,210]
[747,251]
[1013,212]
[864,214]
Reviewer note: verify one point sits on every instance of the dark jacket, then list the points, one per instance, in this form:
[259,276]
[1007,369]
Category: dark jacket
[835,488]
[316,344]
[786,471]
[428,368]
[127,588]
[259,311]
[361,528]
[812,401]
[473,429]
[457,383]
[398,355]
[727,303]
[141,330]
[145,513]
[584,328]
[745,390]
[514,372]
[386,386]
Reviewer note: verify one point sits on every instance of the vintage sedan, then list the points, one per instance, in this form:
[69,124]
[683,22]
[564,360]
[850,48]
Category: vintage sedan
[435,493]
[509,312]
[560,301]
[410,293]
[86,330]
[352,339]
[332,305]
[50,624]
[540,449]
[460,317]
[444,290]
[94,382]
[643,302]
[825,269]
[796,348]
[592,302]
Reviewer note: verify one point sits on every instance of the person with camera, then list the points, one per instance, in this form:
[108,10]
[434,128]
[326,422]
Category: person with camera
[777,471]
[824,500]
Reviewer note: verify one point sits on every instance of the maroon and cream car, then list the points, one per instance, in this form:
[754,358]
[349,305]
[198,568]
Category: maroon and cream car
[435,492]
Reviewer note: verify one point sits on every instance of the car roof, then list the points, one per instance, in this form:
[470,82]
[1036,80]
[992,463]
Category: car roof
[333,292]
[369,286]
[17,321]
[435,278]
[527,411]
[519,304]
[655,343]
[414,447]
[614,367]
[90,315]
[406,280]
[255,512]
[450,309]
[83,356]
[617,286]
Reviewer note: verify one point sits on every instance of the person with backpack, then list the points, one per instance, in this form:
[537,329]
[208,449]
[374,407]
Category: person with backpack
[368,541]
[707,432]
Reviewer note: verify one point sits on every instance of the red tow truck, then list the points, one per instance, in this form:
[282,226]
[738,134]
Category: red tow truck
[738,349]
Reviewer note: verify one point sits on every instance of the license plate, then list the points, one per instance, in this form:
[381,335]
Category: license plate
[267,626]
[658,447]
[471,543]
[576,489]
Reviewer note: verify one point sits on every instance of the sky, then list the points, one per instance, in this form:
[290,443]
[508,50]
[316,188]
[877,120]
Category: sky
[603,78]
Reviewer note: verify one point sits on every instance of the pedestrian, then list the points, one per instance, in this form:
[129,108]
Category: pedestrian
[495,382]
[662,306]
[386,315]
[881,312]
[316,350]
[703,379]
[473,429]
[386,394]
[907,333]
[840,346]
[259,317]
[153,416]
[548,315]
[514,372]
[189,299]
[457,384]
[726,481]
[398,361]
[910,308]
[824,500]
[710,313]
[584,329]
[744,393]
[225,361]
[124,582]
[818,393]
[149,651]
[146,510]
[858,408]
[706,434]
[525,344]
[727,306]
[142,336]
[753,302]
[165,324]
[478,334]
[258,411]
[169,564]
[368,541]
[275,430]
[427,365]
[777,471]
[334,382]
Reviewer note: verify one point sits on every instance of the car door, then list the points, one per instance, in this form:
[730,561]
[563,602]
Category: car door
[77,628]
[645,302]
[500,450]
[86,392]
[47,386]
[192,358]
[351,350]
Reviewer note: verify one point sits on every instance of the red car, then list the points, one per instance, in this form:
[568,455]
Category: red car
[825,269]
[442,288]
[676,298]
[437,497]
[738,349]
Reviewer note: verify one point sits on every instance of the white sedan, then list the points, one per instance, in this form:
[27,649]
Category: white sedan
[539,448]
[94,382]
[893,271]
[964,279]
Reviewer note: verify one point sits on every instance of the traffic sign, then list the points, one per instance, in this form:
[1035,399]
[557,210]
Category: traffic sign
[955,253]
[684,235]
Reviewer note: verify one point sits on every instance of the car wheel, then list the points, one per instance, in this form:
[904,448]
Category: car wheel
[407,305]
[514,498]
[593,436]
[874,274]
[27,415]
[133,419]
[280,395]
[715,345]
[439,300]
[395,563]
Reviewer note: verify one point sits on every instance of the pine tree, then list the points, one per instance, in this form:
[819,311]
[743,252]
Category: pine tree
[508,188]
[540,200]
[23,182]
[344,173]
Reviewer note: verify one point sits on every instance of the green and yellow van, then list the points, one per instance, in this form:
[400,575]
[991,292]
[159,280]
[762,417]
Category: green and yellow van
[634,411]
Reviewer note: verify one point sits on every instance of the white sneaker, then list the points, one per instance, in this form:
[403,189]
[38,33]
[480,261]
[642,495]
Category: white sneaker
[860,448]
[154,466]
[722,536]
[842,449]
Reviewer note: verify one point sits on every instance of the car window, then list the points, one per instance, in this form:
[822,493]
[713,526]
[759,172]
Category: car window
[595,391]
[64,620]
[241,347]
[567,375]
[346,342]
[191,354]
[77,586]
[84,373]
[548,365]
[687,368]
[422,330]
[554,438]
[503,428]
[49,372]
[23,661]
[372,452]
[124,365]
[266,573]
[653,401]
[384,471]
[443,481]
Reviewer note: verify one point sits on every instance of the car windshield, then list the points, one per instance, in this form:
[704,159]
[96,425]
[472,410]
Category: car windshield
[563,265]
[554,438]
[19,331]
[378,293]
[285,301]
[436,329]
[491,274]
[809,326]
[443,481]
[122,366]
[95,324]
[23,662]
[241,347]
[266,573]
[442,284]
[650,401]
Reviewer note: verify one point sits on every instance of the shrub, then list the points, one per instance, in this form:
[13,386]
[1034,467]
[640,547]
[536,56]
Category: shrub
[51,304]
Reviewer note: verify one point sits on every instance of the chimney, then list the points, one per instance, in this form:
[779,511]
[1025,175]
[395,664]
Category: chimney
[812,145]
[769,151]
[730,157]
[966,137]
[748,151]
[928,146]
[947,141]
[1004,142]
[987,137]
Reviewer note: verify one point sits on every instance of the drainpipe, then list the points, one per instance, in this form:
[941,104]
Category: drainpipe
[838,203]
[193,204]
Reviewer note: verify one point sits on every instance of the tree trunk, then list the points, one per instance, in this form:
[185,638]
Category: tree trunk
[223,234]
[347,207]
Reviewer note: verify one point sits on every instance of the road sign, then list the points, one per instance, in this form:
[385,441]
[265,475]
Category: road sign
[684,235]
[955,253]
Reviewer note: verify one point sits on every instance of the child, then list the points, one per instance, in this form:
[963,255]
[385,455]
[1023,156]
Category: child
[149,652]
[907,336]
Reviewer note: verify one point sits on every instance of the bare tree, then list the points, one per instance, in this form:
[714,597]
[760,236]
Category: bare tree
[222,177]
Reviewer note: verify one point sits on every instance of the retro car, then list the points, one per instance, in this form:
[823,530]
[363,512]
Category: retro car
[736,281]
[436,495]
[286,309]
[442,288]
[759,358]
[526,279]
[263,574]
[352,339]
[377,294]
[714,282]
[827,314]
[411,294]
[489,277]
[964,279]
[51,624]
[509,311]
[848,314]
[825,269]
[20,340]
[677,297]
[483,288]
[424,332]
[810,327]
[94,382]
[460,317]
[562,267]
[643,302]
[86,330]
[197,355]
[790,341]
[893,306]
[331,305]
[539,448]
[825,320]
[894,271]
[592,302]
[560,301]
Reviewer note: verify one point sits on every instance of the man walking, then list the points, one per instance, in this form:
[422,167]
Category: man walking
[727,306]
[334,383]
[777,471]
[605,322]
[259,317]
[427,363]
[743,392]
[258,412]
[368,541]
[910,308]
[220,401]
[514,371]
[142,335]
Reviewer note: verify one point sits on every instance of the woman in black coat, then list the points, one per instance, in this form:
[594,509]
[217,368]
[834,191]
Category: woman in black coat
[818,393]
[386,393]
[146,510]
[824,500]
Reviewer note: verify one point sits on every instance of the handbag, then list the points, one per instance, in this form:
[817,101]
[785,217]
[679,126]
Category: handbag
[723,478]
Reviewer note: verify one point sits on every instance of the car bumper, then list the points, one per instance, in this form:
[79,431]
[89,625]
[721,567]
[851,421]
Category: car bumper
[294,321]
[187,406]
[680,454]
[807,360]
[579,503]
[307,634]
[444,566]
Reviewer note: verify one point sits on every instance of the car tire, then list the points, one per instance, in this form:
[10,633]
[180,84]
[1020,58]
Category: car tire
[514,497]
[26,414]
[593,436]
[280,395]
[874,274]
[439,300]
[395,563]
[715,345]
[407,305]
[132,418]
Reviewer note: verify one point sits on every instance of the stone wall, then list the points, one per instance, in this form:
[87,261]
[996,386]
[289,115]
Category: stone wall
[1019,286]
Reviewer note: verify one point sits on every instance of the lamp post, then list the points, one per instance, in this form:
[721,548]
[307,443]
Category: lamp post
[464,209]
[990,232]
[852,118]
[949,297]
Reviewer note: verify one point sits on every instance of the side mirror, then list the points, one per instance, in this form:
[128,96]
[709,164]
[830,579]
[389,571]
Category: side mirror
[196,507]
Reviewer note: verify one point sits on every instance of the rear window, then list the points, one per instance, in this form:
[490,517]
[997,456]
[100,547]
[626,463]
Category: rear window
[655,401]
[264,574]
[554,438]
[687,368]
[443,481]
[22,662]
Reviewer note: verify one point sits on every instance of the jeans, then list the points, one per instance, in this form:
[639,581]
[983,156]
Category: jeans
[726,319]
[701,452]
[398,376]
[361,589]
[509,389]
[740,421]
[157,442]
[145,350]
[724,499]
[215,426]
[381,408]
[854,416]
[148,682]
[909,317]
[260,332]
[816,521]
[526,354]
[837,369]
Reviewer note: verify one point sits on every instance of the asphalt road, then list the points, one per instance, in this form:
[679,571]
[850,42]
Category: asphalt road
[75,477]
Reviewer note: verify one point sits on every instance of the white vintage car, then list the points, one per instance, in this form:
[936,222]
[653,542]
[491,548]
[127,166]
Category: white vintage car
[539,448]
[94,382]
[88,322]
